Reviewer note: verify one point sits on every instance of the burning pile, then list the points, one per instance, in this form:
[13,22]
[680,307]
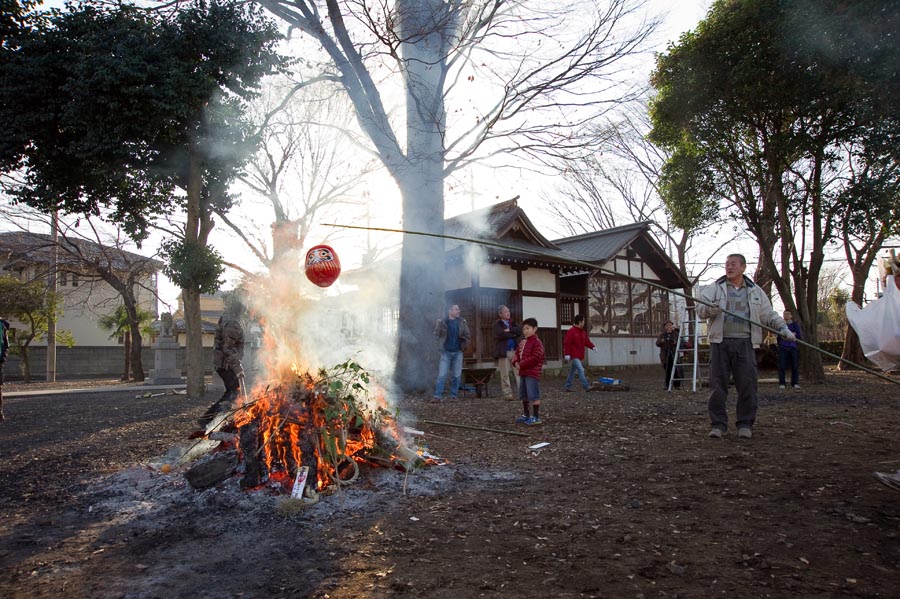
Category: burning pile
[321,426]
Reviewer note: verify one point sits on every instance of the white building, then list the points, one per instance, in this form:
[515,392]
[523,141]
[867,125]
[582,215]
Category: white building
[86,296]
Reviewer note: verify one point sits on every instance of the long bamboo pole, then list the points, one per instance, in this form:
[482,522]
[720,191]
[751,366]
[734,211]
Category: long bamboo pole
[595,268]
[474,428]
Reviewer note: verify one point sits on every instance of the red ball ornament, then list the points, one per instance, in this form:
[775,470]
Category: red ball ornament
[322,265]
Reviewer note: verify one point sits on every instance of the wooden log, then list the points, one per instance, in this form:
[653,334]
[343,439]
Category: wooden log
[254,466]
[213,471]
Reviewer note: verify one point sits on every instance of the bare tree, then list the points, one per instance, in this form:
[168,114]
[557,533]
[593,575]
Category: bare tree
[620,182]
[306,169]
[479,78]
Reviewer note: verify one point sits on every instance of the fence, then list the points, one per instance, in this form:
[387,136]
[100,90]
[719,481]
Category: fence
[83,362]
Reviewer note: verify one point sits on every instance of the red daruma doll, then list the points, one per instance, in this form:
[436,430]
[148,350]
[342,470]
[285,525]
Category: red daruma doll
[322,265]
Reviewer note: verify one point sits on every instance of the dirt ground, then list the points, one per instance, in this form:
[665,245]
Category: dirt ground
[630,499]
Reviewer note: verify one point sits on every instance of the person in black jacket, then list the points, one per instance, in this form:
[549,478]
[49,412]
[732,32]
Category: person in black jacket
[506,333]
[667,342]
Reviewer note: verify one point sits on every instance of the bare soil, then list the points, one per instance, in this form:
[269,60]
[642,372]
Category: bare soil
[630,499]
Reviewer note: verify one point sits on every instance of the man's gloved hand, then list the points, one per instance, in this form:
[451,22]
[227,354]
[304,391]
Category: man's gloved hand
[568,358]
[787,335]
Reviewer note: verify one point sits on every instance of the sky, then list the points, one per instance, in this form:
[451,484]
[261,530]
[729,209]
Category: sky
[478,187]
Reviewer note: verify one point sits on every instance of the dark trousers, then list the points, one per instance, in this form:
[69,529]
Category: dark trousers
[732,358]
[789,357]
[232,383]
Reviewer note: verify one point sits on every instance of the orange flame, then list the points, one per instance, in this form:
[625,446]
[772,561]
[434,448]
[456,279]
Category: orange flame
[282,419]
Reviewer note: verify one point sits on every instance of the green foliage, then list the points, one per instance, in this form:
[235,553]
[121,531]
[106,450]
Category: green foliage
[192,266]
[31,305]
[832,317]
[762,85]
[118,321]
[348,405]
[105,106]
[687,189]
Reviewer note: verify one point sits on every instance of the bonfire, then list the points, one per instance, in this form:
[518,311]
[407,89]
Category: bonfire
[313,430]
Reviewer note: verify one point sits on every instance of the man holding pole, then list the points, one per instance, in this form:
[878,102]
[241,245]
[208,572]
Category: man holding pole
[732,338]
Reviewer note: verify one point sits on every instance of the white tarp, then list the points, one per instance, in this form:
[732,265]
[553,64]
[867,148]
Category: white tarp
[878,327]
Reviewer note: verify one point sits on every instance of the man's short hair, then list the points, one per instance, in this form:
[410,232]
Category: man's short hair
[532,322]
[578,318]
[739,257]
[501,307]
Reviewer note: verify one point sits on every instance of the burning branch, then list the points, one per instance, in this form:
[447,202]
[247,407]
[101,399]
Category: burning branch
[329,424]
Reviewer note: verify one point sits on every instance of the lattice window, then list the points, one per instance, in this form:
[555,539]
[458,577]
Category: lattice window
[640,309]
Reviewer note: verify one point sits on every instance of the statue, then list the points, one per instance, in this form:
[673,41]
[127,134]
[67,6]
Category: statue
[167,325]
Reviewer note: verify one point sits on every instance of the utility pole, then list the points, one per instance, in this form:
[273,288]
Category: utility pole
[51,288]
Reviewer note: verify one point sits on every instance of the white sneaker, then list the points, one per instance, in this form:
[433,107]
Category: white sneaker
[781,386]
[745,433]
[716,433]
[796,387]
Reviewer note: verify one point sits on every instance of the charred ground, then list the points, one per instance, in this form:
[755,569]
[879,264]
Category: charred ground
[630,499]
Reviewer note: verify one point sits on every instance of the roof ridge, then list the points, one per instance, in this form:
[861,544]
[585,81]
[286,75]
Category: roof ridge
[492,209]
[636,225]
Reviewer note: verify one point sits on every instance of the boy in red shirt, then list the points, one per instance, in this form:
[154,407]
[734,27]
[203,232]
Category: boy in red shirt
[573,347]
[530,359]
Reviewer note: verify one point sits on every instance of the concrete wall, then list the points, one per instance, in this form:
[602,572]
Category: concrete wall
[81,362]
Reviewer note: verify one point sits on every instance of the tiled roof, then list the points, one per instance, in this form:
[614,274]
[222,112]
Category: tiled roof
[494,223]
[599,247]
[602,246]
[35,248]
[507,225]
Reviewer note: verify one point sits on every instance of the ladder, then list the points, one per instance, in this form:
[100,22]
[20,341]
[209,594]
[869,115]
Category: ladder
[688,355]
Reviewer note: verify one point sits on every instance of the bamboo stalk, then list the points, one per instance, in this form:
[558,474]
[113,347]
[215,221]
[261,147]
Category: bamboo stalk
[474,428]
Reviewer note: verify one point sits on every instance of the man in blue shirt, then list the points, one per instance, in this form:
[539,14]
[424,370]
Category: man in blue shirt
[453,335]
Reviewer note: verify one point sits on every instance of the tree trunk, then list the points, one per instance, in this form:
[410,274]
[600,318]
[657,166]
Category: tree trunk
[26,367]
[137,342]
[421,182]
[852,349]
[126,342]
[421,287]
[194,367]
[763,275]
[810,360]
[285,239]
[196,230]
[134,328]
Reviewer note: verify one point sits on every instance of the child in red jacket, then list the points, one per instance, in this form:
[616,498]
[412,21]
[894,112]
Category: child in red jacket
[530,359]
[573,347]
